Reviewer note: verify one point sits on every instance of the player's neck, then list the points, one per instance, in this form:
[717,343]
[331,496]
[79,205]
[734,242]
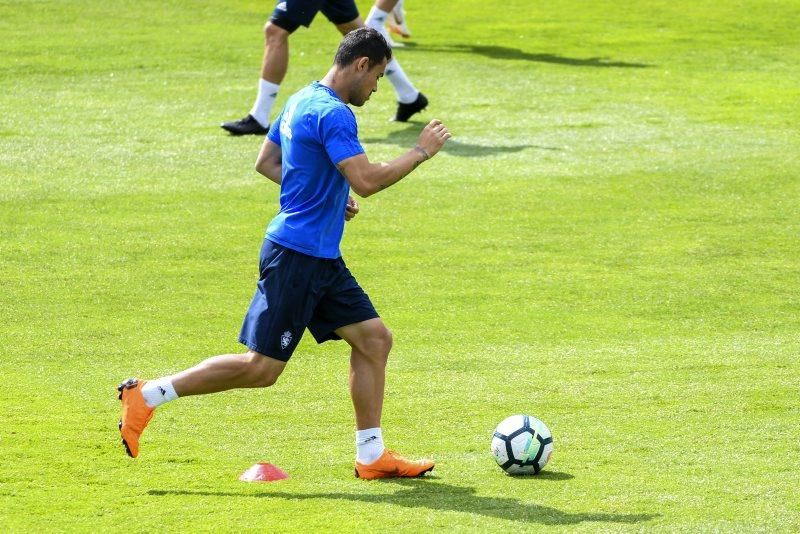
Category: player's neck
[335,81]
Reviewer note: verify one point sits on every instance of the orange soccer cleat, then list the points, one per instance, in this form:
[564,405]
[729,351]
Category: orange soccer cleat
[397,22]
[135,414]
[392,465]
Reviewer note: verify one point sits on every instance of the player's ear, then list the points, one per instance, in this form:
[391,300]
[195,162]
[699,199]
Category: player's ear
[362,64]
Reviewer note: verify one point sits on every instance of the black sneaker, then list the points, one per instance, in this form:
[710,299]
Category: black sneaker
[404,111]
[245,126]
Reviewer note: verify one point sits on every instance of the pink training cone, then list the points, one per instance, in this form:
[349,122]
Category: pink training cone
[263,472]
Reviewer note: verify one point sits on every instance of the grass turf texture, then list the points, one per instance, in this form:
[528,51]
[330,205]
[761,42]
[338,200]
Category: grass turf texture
[609,242]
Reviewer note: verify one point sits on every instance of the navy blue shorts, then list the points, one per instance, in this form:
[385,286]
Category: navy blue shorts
[295,292]
[291,14]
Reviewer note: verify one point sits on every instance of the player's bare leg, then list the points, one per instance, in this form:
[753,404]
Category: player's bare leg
[276,54]
[370,343]
[228,371]
[220,373]
[347,27]
[386,5]
[274,65]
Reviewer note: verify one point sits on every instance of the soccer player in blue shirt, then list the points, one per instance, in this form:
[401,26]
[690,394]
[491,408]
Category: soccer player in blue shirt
[312,151]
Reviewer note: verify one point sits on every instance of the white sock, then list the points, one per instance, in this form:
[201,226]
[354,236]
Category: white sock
[157,392]
[376,19]
[267,93]
[406,92]
[369,445]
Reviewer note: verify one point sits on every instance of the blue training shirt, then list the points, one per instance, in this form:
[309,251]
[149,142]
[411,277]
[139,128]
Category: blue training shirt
[315,131]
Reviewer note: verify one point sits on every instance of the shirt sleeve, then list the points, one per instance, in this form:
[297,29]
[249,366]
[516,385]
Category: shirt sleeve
[274,133]
[339,134]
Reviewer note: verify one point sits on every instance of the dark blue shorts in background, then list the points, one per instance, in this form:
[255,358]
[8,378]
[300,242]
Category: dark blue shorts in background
[291,14]
[295,292]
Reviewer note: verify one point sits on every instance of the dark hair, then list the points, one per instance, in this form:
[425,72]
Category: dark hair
[363,42]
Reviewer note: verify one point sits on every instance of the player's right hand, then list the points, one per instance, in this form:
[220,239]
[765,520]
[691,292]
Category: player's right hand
[433,137]
[351,209]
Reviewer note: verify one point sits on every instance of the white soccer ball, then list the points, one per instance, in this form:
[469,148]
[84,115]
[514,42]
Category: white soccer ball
[522,445]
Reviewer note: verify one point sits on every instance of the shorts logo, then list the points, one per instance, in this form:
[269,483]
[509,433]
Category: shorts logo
[286,338]
[281,6]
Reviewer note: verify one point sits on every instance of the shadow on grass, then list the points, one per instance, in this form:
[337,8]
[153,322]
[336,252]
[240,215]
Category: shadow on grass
[504,52]
[408,137]
[433,495]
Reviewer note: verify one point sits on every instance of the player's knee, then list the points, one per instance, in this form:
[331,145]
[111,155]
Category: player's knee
[387,340]
[275,34]
[264,377]
[265,380]
[263,371]
[380,343]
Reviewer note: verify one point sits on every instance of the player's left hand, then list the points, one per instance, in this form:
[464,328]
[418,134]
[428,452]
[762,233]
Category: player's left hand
[351,209]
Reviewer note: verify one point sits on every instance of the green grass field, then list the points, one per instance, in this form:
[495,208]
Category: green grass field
[610,242]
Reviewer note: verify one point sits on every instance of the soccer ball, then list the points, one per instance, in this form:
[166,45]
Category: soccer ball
[522,445]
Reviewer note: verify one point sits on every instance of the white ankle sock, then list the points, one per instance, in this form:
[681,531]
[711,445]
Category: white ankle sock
[376,19]
[406,92]
[267,93]
[369,445]
[157,392]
